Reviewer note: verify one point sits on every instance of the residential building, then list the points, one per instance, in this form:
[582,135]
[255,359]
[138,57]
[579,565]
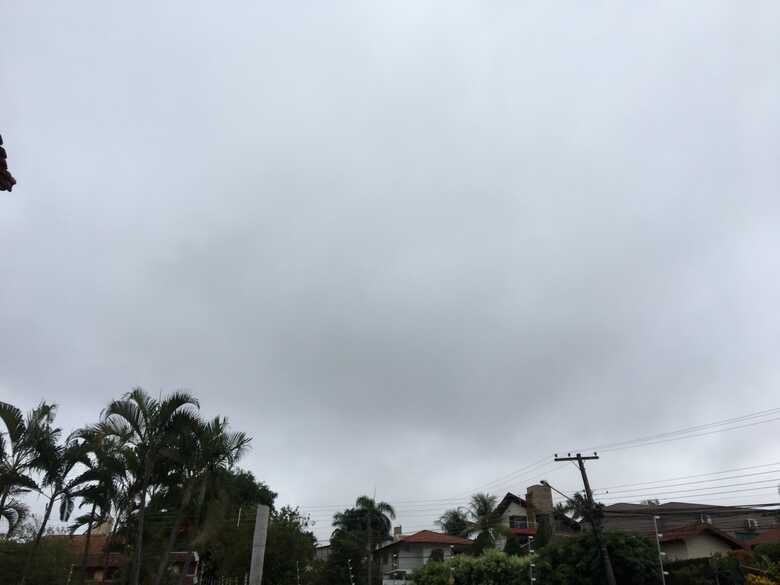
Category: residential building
[522,516]
[741,523]
[697,541]
[322,552]
[400,556]
[107,567]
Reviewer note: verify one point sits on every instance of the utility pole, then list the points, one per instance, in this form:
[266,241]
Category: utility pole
[351,576]
[661,554]
[370,559]
[591,504]
[258,545]
[531,564]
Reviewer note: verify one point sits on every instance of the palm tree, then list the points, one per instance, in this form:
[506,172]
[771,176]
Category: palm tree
[101,483]
[58,462]
[454,522]
[149,427]
[483,520]
[20,451]
[367,515]
[202,456]
[14,512]
[375,518]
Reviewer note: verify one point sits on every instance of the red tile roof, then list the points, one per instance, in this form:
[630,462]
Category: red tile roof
[431,537]
[435,538]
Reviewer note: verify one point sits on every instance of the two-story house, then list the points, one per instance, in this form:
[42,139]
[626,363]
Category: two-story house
[522,516]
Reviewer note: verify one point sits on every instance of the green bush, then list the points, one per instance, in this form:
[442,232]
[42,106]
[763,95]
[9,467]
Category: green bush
[721,569]
[769,550]
[52,563]
[491,568]
[576,560]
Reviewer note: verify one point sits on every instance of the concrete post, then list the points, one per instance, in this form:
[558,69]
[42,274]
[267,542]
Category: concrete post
[258,545]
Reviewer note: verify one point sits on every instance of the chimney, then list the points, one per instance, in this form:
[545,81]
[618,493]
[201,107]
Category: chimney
[539,499]
[397,533]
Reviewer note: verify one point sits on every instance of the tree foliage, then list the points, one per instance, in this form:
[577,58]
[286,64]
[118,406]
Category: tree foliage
[576,560]
[491,568]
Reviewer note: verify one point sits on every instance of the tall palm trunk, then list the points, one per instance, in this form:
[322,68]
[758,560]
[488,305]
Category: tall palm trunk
[139,541]
[37,541]
[83,572]
[3,498]
[110,540]
[163,566]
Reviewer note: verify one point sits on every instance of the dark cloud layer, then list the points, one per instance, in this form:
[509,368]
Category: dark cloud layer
[409,247]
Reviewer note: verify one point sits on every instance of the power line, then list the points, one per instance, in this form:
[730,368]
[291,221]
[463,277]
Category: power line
[692,431]
[690,476]
[663,486]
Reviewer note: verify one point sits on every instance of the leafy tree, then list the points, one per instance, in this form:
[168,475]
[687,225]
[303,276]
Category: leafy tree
[244,490]
[576,560]
[289,549]
[228,546]
[55,556]
[492,567]
[513,546]
[149,427]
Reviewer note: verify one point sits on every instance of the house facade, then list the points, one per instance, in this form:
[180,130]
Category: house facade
[521,516]
[405,553]
[697,541]
[740,523]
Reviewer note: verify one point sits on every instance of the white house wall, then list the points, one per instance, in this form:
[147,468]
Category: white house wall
[700,546]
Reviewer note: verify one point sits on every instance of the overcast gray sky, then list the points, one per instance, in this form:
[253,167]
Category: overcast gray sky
[409,246]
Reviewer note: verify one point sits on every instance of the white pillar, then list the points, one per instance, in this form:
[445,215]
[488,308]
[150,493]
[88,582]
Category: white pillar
[258,545]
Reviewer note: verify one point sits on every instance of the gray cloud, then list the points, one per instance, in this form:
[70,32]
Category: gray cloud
[409,247]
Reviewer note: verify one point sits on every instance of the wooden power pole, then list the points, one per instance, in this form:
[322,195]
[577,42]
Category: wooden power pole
[591,504]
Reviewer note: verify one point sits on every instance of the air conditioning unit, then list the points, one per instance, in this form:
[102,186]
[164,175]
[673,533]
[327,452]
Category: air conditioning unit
[751,524]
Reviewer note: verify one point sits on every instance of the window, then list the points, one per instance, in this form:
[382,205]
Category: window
[518,522]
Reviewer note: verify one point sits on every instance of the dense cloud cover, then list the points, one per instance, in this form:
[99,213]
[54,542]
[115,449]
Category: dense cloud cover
[409,246]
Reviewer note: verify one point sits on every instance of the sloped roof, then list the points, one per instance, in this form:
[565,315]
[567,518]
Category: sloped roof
[676,507]
[508,499]
[431,537]
[771,535]
[691,530]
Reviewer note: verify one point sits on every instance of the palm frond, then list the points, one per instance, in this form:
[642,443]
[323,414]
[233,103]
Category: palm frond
[175,402]
[125,413]
[13,419]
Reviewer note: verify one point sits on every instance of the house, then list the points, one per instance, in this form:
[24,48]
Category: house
[522,517]
[740,523]
[400,556]
[697,541]
[107,567]
[322,552]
